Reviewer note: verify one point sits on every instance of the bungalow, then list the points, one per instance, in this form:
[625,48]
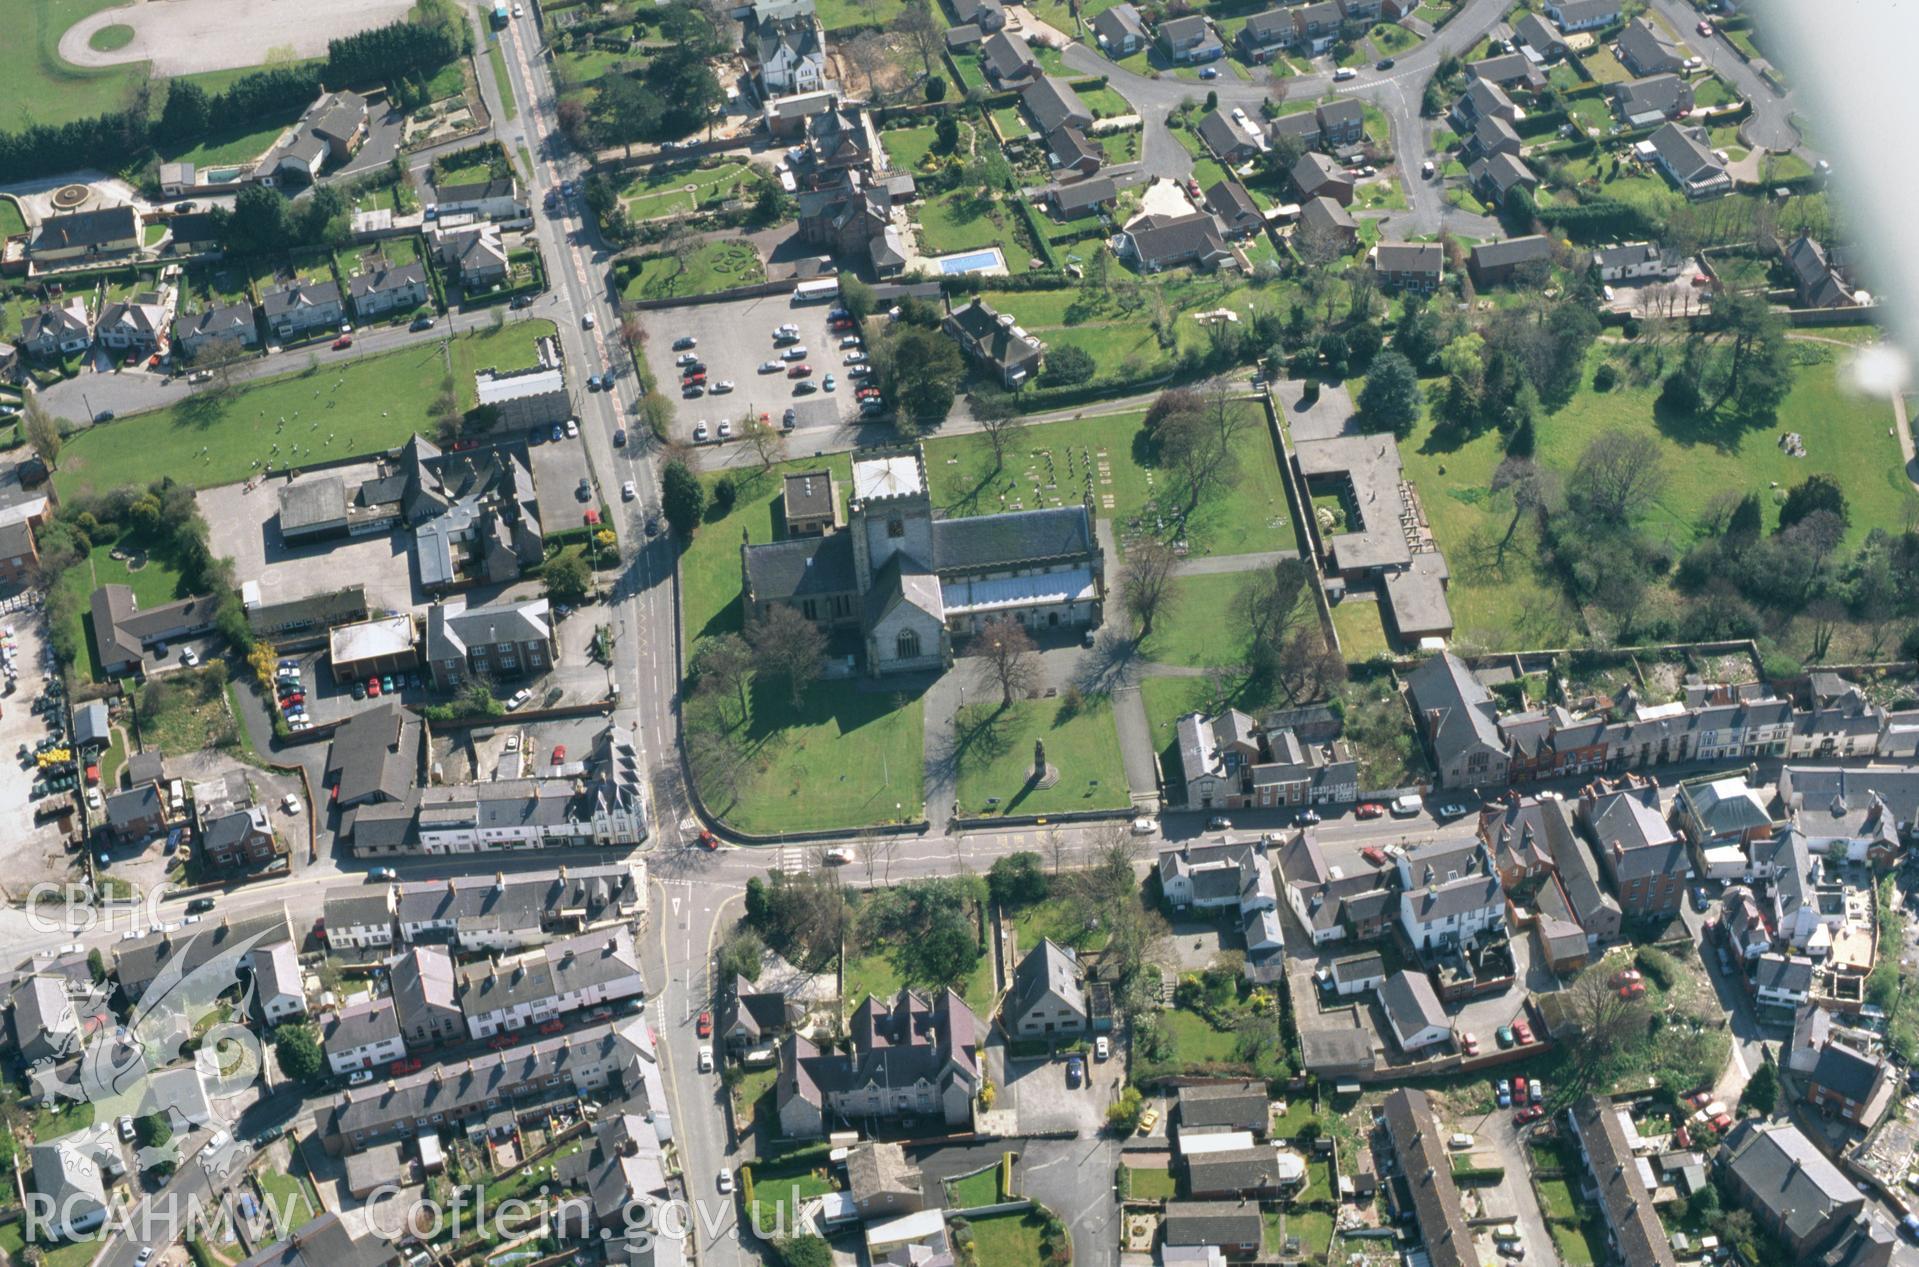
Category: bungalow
[1357,974]
[1235,208]
[1009,61]
[1640,103]
[992,339]
[233,323]
[1231,143]
[1083,197]
[1070,151]
[1261,1172]
[1235,1228]
[987,15]
[1534,33]
[1413,1012]
[1496,177]
[1214,1107]
[1409,265]
[1583,15]
[1508,70]
[1326,220]
[1119,30]
[57,331]
[496,199]
[964,38]
[1631,260]
[302,308]
[1499,263]
[1318,176]
[1644,51]
[1157,242]
[1190,40]
[1316,26]
[1054,105]
[1263,35]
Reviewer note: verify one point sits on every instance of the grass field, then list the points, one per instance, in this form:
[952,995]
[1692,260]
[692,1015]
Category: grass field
[235,145]
[712,267]
[1197,1040]
[1054,918]
[835,15]
[1250,515]
[1193,632]
[1082,744]
[289,1197]
[1105,103]
[1362,630]
[845,758]
[905,147]
[497,59]
[11,221]
[1008,1240]
[777,1197]
[873,973]
[36,86]
[957,221]
[193,716]
[1151,1183]
[108,39]
[974,1190]
[660,193]
[340,409]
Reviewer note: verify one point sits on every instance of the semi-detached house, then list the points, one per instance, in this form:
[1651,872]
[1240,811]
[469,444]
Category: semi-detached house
[362,1036]
[1449,896]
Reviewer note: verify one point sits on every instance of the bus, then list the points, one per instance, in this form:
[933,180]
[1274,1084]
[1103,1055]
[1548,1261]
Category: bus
[817,291]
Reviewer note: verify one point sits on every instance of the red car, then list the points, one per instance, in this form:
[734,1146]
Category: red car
[1705,29]
[501,1043]
[1683,1136]
[1632,990]
[1700,1099]
[287,701]
[1522,1031]
[1531,1114]
[373,686]
[704,1026]
[1369,810]
[708,840]
[343,342]
[1519,1090]
[559,753]
[1374,854]
[553,1026]
[1722,1122]
[1192,187]
[692,379]
[1629,976]
[406,1066]
[840,323]
[802,370]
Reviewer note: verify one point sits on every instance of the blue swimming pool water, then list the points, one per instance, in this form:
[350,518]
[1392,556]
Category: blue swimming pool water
[970,263]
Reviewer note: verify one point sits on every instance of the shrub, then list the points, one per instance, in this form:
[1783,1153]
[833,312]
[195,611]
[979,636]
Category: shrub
[1605,378]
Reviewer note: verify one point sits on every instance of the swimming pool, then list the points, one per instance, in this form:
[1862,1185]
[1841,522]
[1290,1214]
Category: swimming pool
[972,261]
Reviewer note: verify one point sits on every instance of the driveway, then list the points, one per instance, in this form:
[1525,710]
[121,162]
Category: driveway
[1037,1091]
[1513,1196]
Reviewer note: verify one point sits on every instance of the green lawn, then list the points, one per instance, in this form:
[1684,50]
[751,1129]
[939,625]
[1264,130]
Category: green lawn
[1168,699]
[1604,67]
[1151,1183]
[11,221]
[1105,103]
[154,582]
[974,1190]
[837,14]
[1118,147]
[68,1254]
[1248,516]
[1580,1244]
[1055,919]
[36,86]
[710,565]
[1012,122]
[290,1199]
[1195,631]
[958,221]
[713,266]
[1556,1198]
[997,756]
[193,716]
[1392,39]
[1197,1040]
[905,147]
[845,758]
[656,193]
[497,59]
[1362,630]
[340,409]
[239,144]
[873,973]
[1008,1240]
[51,1124]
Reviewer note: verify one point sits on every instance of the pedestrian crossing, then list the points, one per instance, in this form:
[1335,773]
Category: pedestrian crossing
[795,860]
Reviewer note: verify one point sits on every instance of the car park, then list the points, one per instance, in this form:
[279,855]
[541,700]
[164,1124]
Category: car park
[1469,1043]
[1503,1092]
[858,371]
[805,387]
[1522,1032]
[802,370]
[1374,854]
[795,353]
[726,429]
[1505,1035]
[770,367]
[722,387]
[699,432]
[827,383]
[851,341]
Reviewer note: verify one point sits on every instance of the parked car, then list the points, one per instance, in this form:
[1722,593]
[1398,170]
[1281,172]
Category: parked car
[685,341]
[1147,1121]
[1469,1043]
[801,370]
[359,1077]
[1374,854]
[706,1060]
[1219,823]
[704,1025]
[1523,1032]
[382,873]
[1102,1048]
[628,492]
[1504,1034]
[199,904]
[726,1181]
[1503,1091]
[1700,902]
[1368,809]
[1075,1071]
[726,429]
[699,432]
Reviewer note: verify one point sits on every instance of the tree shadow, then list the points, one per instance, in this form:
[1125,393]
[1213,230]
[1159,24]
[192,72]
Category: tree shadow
[981,734]
[1722,429]
[1112,663]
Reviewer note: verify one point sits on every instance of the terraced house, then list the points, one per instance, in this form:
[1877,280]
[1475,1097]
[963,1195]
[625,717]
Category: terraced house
[544,984]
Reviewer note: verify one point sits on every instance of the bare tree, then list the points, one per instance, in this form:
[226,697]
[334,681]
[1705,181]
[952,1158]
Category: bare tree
[1606,1018]
[1056,848]
[998,416]
[1270,605]
[789,647]
[1307,667]
[867,54]
[1533,487]
[724,665]
[1146,587]
[1187,452]
[886,847]
[1007,658]
[924,32]
[1619,474]
[1229,417]
[768,441]
[220,357]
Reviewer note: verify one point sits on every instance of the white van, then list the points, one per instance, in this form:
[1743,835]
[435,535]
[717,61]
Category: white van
[1405,806]
[1344,73]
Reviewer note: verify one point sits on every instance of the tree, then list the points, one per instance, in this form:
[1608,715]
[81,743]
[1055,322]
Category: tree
[946,135]
[1068,366]
[935,88]
[298,1049]
[42,429]
[1016,879]
[723,665]
[1186,452]
[568,579]
[682,498]
[152,1130]
[998,416]
[803,1251]
[1815,493]
[96,965]
[767,441]
[1270,605]
[187,114]
[1390,397]
[921,370]
[1757,363]
[1146,587]
[1618,475]
[1007,658]
[924,32]
[1533,489]
[740,955]
[1762,1090]
[1123,1114]
[788,647]
[1606,1021]
[856,297]
[221,357]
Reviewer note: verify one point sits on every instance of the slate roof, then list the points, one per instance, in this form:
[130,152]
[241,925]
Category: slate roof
[1847,1071]
[1314,171]
[1240,1106]
[1420,1149]
[387,279]
[375,754]
[1047,967]
[571,966]
[1083,195]
[1222,135]
[360,1025]
[802,567]
[980,543]
[1324,213]
[901,1042]
[1655,94]
[325,1242]
[1409,257]
[300,295]
[1533,247]
[1007,57]
[1229,200]
[1458,709]
[1243,1170]
[422,982]
[1783,974]
[1411,1005]
[221,321]
[517,902]
[1054,103]
[1070,147]
[139,961]
[85,228]
[1212,1223]
[1615,1170]
[1787,1175]
[1643,49]
[1118,22]
[1165,239]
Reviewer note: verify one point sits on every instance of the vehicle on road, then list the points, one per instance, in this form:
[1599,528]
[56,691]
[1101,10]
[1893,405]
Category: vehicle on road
[382,873]
[586,322]
[199,904]
[521,301]
[706,1060]
[422,322]
[840,855]
[628,492]
[126,1126]
[708,840]
[619,437]
[1384,63]
[652,524]
[1344,73]
[726,1181]
[343,342]
[704,1026]
[1705,29]
[1209,72]
[1368,809]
